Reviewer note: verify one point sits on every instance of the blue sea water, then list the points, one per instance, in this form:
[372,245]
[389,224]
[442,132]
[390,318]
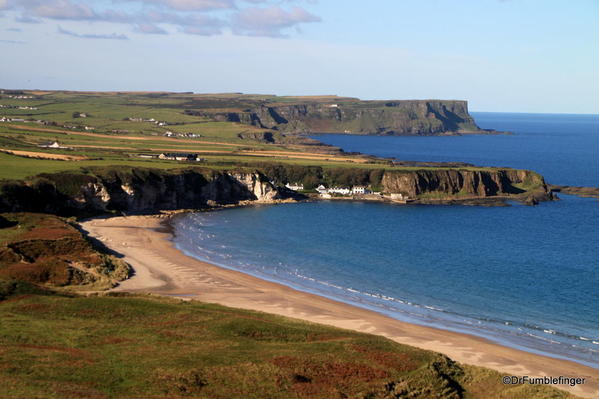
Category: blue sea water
[563,148]
[527,277]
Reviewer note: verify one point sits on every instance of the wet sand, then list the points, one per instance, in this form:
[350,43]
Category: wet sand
[160,268]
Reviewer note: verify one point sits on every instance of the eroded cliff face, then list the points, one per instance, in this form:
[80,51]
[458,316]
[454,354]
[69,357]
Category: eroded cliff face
[135,191]
[464,183]
[406,117]
[152,190]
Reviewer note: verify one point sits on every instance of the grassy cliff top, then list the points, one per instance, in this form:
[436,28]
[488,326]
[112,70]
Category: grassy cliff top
[55,346]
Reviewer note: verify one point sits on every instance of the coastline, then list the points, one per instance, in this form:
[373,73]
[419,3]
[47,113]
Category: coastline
[162,269]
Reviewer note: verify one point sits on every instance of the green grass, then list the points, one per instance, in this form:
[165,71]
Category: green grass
[143,347]
[14,167]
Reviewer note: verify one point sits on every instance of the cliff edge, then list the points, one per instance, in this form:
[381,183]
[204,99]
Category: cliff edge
[347,115]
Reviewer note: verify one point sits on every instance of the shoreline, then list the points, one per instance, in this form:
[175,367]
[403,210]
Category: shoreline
[160,268]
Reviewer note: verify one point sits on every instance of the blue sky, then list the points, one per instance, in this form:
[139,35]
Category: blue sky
[510,55]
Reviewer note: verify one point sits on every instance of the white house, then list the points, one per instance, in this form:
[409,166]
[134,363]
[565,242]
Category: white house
[295,186]
[180,156]
[53,144]
[321,189]
[339,190]
[360,190]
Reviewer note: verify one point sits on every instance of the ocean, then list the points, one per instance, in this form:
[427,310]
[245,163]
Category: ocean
[526,277]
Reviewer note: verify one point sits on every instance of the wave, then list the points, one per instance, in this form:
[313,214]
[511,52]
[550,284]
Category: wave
[506,331]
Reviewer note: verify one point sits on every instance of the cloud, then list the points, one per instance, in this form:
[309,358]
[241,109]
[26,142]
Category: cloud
[3,4]
[14,30]
[150,29]
[12,41]
[270,21]
[191,5]
[58,9]
[91,36]
[24,19]
[194,17]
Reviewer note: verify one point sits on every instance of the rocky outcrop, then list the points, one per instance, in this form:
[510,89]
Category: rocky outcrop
[468,184]
[136,190]
[585,192]
[478,183]
[405,117]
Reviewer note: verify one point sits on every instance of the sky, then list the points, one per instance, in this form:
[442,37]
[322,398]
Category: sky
[499,55]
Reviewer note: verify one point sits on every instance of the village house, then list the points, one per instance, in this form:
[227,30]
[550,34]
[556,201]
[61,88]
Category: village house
[54,145]
[169,134]
[295,186]
[180,156]
[321,189]
[355,190]
[188,135]
[339,190]
[360,190]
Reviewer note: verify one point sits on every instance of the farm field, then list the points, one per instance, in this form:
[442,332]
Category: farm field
[98,129]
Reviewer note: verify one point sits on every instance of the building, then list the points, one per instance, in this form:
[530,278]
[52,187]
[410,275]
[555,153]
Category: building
[321,189]
[295,186]
[180,156]
[339,190]
[169,134]
[360,190]
[54,145]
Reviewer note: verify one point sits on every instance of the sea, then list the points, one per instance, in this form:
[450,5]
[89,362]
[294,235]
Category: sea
[522,276]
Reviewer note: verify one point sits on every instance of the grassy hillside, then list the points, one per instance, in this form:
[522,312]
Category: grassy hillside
[55,346]
[48,251]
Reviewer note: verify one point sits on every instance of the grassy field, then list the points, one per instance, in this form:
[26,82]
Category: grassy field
[56,346]
[112,139]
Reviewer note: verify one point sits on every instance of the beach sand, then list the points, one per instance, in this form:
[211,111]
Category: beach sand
[162,269]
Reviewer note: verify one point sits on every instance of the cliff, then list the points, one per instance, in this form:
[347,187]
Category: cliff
[150,190]
[451,184]
[405,117]
[135,190]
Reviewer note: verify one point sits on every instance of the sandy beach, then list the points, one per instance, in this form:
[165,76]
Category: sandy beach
[162,269]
